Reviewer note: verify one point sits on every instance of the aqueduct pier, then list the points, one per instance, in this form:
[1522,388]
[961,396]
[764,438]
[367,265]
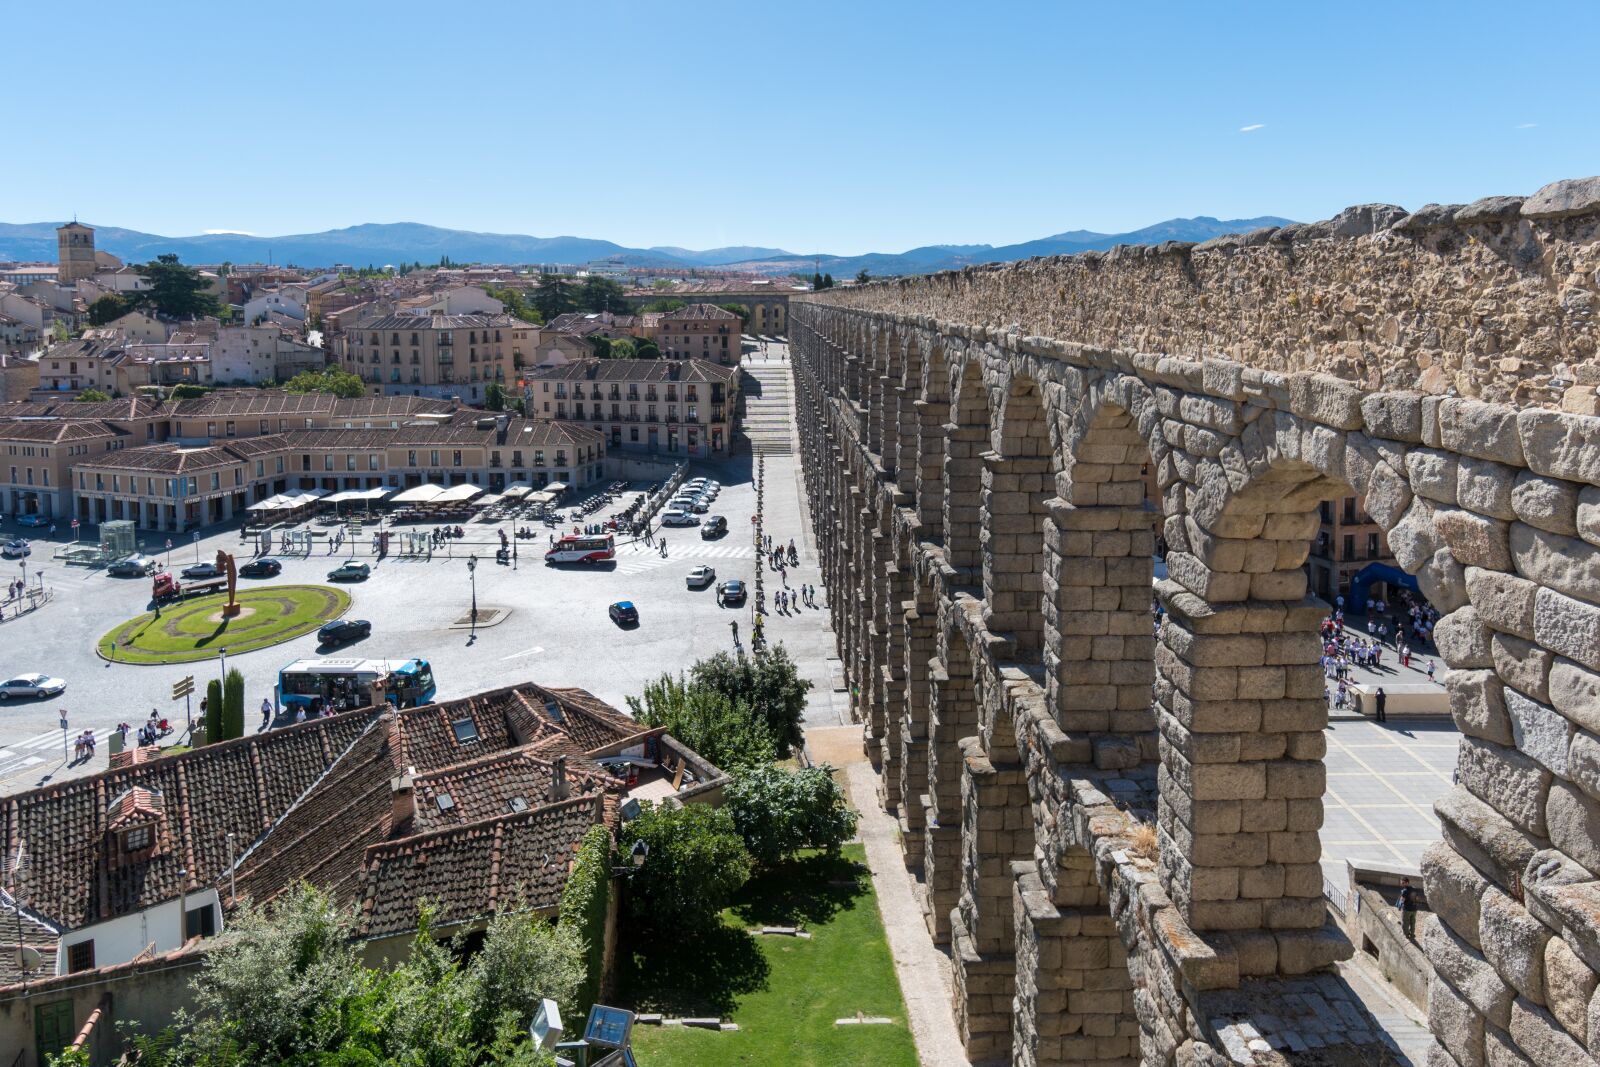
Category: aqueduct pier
[976,446]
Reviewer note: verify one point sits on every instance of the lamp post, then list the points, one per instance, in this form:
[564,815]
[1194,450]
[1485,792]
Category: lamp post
[472,575]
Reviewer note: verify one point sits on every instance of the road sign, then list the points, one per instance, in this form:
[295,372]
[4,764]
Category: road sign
[183,688]
[169,543]
[74,524]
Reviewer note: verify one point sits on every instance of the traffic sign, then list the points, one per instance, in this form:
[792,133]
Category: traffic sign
[183,688]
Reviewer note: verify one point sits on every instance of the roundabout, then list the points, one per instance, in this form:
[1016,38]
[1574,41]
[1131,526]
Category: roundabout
[196,629]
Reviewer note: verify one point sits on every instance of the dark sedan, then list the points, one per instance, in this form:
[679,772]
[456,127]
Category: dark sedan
[343,631]
[731,594]
[261,568]
[623,613]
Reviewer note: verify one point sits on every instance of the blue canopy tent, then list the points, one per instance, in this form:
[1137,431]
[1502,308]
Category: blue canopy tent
[1375,572]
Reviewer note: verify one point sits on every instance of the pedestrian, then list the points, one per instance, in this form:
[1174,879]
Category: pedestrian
[1380,700]
[266,712]
[1408,909]
[1430,670]
[734,625]
[300,713]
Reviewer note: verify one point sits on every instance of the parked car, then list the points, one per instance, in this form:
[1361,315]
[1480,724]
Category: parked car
[32,520]
[32,685]
[700,577]
[265,567]
[623,613]
[15,549]
[201,570]
[350,571]
[715,526]
[675,517]
[700,506]
[731,593]
[133,567]
[340,631]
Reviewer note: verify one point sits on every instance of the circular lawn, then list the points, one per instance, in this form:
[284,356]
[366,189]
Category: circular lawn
[189,630]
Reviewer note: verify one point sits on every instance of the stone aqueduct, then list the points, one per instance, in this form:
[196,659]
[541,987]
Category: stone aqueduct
[976,447]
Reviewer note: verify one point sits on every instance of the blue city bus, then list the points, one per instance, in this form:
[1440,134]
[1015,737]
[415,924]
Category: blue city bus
[345,683]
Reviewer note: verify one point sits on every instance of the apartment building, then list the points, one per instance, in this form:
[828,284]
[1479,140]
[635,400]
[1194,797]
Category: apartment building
[1347,542]
[675,407]
[436,355]
[700,331]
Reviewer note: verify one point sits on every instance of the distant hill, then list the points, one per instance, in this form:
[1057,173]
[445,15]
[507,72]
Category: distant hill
[378,244]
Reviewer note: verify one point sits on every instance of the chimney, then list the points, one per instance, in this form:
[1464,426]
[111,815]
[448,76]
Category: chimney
[501,425]
[559,790]
[402,799]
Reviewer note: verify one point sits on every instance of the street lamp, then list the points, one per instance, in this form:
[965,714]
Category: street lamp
[636,858]
[472,574]
[222,666]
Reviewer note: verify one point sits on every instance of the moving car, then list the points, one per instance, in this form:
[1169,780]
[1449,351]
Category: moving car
[674,517]
[623,613]
[700,577]
[32,520]
[132,567]
[731,593]
[15,549]
[265,567]
[201,570]
[32,685]
[715,526]
[340,631]
[350,571]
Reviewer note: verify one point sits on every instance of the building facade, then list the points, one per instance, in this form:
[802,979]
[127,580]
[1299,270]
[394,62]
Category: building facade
[700,331]
[74,253]
[436,355]
[672,407]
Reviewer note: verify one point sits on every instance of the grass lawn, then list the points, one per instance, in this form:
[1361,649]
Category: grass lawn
[194,629]
[784,992]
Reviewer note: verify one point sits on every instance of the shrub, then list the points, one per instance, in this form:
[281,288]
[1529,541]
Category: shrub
[233,705]
[695,866]
[213,714]
[779,812]
[724,731]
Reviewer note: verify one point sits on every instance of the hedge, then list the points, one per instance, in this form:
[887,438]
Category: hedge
[584,903]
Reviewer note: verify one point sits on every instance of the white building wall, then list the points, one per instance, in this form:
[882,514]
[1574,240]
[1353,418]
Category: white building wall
[121,939]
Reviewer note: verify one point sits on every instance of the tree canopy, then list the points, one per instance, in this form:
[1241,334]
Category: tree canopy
[555,295]
[723,730]
[768,683]
[175,290]
[695,865]
[779,812]
[93,395]
[622,348]
[516,302]
[665,305]
[108,308]
[862,276]
[334,381]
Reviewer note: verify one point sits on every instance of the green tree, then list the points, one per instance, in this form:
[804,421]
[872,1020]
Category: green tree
[585,902]
[816,280]
[107,309]
[555,295]
[779,812]
[185,391]
[494,397]
[233,705]
[739,310]
[827,281]
[724,731]
[862,276]
[662,306]
[596,293]
[523,960]
[623,348]
[90,396]
[646,349]
[334,381]
[695,865]
[215,731]
[768,683]
[175,290]
[601,346]
[516,303]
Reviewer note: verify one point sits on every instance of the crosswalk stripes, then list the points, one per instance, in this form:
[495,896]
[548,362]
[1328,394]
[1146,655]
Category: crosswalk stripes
[32,751]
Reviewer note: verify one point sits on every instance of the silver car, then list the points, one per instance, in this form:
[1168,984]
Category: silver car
[32,685]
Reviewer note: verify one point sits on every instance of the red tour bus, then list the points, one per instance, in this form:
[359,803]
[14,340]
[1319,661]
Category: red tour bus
[582,548]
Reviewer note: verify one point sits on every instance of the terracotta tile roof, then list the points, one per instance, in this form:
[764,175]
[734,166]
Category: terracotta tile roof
[486,787]
[636,370]
[163,459]
[518,860]
[698,312]
[55,431]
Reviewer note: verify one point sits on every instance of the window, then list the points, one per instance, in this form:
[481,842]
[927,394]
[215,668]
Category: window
[518,803]
[456,460]
[445,801]
[80,957]
[1349,546]
[53,1029]
[466,731]
[1372,546]
[201,922]
[140,837]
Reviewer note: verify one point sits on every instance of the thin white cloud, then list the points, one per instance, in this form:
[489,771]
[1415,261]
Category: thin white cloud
[1526,125]
[1253,127]
[240,233]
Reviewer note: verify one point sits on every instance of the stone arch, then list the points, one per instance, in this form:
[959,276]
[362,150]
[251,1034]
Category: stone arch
[952,716]
[966,441]
[1018,478]
[932,412]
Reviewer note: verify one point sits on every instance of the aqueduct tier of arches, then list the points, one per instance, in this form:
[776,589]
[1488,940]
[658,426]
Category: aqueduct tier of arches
[980,502]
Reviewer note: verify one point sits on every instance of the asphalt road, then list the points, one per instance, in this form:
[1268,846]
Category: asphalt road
[554,629]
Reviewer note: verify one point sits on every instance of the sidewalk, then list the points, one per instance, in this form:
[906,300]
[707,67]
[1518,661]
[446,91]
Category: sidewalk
[924,971]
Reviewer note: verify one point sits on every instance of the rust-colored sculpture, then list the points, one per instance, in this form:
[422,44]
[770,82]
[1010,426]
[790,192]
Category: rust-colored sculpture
[226,565]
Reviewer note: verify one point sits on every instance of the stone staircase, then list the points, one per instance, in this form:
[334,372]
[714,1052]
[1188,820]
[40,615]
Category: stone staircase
[767,394]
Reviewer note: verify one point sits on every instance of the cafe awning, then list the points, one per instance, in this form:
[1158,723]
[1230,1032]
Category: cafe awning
[457,494]
[421,494]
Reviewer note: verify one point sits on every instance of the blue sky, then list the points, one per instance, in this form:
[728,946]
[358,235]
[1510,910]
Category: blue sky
[838,127]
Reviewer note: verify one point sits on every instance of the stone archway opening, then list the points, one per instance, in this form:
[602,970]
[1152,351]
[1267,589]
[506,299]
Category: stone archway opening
[966,439]
[1018,481]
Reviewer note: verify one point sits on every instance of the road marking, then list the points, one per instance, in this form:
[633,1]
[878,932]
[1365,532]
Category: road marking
[534,651]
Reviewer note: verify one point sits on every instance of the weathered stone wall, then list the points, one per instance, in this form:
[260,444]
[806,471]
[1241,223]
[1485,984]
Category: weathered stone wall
[1063,778]
[1486,299]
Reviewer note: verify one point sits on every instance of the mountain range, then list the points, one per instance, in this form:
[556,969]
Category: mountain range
[378,244]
